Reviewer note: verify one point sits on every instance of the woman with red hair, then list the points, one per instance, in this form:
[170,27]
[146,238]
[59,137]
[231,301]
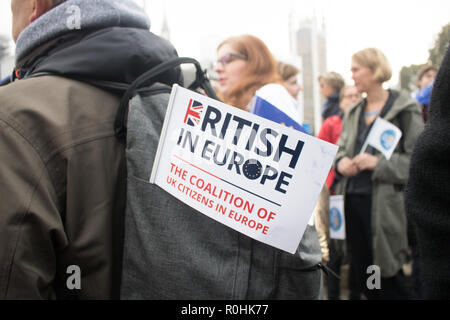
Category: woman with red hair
[246,68]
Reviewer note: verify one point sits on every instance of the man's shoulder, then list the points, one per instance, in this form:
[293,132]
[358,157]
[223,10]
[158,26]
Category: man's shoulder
[55,95]
[53,111]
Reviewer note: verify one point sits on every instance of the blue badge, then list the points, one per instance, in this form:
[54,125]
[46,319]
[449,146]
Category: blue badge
[335,219]
[387,139]
[252,169]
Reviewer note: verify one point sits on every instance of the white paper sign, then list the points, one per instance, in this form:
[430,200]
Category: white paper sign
[250,174]
[337,217]
[383,136]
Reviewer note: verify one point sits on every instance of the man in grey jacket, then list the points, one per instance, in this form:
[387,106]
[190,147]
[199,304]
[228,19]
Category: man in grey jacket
[61,166]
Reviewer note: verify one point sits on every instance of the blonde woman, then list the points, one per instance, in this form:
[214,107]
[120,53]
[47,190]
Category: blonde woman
[373,186]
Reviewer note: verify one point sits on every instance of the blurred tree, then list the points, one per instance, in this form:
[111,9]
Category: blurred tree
[440,46]
[408,77]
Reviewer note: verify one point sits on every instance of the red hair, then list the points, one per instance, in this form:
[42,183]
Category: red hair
[261,69]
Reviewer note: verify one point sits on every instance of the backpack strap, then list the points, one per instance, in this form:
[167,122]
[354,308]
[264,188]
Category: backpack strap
[201,81]
[145,79]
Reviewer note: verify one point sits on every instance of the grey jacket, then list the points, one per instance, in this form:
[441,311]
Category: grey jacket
[61,165]
[389,227]
[174,252]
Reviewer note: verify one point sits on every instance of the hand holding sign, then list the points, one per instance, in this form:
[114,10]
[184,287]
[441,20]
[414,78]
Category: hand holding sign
[347,167]
[365,161]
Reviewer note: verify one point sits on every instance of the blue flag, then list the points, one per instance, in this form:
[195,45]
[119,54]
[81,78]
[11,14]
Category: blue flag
[5,80]
[273,102]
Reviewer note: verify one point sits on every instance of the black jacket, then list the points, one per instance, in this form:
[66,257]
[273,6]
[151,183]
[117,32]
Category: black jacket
[113,54]
[331,106]
[428,192]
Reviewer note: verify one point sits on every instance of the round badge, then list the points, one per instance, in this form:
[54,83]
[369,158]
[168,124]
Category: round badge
[335,219]
[252,169]
[387,139]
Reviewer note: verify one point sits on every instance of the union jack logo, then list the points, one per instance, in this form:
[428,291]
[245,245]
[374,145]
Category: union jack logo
[193,113]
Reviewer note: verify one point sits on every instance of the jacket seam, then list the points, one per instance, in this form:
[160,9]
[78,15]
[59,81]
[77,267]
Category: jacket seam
[20,225]
[53,138]
[44,169]
[19,233]
[11,123]
[78,143]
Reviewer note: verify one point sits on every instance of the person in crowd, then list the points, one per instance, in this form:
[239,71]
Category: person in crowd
[425,80]
[289,76]
[245,66]
[332,249]
[61,165]
[427,192]
[331,84]
[373,187]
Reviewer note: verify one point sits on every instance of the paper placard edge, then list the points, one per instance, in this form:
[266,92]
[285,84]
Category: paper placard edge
[162,137]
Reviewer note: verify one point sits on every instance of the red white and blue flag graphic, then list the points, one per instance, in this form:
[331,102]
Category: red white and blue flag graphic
[193,113]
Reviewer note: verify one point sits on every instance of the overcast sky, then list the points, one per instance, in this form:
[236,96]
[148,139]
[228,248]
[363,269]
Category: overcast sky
[403,30]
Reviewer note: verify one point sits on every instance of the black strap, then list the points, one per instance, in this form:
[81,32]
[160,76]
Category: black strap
[118,228]
[102,84]
[327,270]
[201,81]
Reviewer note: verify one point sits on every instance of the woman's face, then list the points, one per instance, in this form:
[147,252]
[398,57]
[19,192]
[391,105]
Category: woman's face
[230,67]
[427,78]
[349,97]
[362,76]
[292,86]
[325,89]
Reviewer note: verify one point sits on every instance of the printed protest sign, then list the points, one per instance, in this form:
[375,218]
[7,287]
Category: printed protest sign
[249,173]
[383,136]
[337,218]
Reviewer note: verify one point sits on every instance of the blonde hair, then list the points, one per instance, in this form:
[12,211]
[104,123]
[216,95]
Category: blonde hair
[334,80]
[261,69]
[376,61]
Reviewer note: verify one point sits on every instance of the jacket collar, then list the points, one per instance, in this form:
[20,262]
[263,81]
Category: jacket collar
[92,14]
[402,102]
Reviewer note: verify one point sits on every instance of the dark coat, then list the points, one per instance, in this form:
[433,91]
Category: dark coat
[331,106]
[428,192]
[61,164]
